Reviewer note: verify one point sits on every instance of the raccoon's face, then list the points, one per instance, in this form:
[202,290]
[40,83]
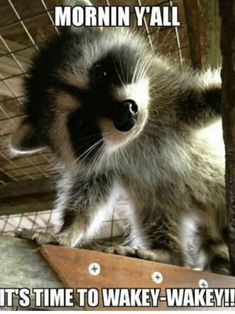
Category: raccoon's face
[88,94]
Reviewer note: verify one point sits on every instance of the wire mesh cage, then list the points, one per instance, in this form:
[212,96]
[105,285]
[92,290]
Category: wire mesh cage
[24,26]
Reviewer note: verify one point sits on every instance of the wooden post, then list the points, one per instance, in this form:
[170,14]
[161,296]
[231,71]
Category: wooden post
[194,27]
[203,25]
[227,13]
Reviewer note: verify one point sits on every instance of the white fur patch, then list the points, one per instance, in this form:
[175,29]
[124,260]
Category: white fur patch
[211,78]
[15,142]
[63,187]
[213,138]
[16,152]
[139,92]
[193,257]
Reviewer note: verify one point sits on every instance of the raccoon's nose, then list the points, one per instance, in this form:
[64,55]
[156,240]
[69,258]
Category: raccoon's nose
[126,115]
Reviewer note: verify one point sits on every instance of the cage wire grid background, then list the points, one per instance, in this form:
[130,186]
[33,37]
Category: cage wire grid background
[24,26]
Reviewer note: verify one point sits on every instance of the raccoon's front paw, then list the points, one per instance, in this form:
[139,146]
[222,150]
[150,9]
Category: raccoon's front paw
[157,255]
[71,238]
[161,256]
[121,250]
[39,237]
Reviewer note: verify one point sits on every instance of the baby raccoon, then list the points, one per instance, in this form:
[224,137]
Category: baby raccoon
[120,117]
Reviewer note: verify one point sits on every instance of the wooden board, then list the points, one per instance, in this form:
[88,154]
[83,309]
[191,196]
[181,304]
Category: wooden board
[72,267]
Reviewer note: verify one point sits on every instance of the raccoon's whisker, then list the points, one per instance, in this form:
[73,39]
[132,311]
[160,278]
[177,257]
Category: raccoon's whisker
[106,164]
[86,143]
[118,74]
[95,159]
[140,70]
[87,152]
[123,153]
[144,69]
[106,133]
[89,137]
[123,80]
[122,71]
[135,71]
[116,162]
[129,71]
[101,149]
[147,67]
[100,154]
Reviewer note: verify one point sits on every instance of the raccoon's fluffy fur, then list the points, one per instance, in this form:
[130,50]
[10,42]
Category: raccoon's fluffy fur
[163,159]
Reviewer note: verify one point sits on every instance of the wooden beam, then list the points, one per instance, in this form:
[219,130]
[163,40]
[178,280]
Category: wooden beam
[194,31]
[203,24]
[4,177]
[28,196]
[43,202]
[212,22]
[227,12]
[40,186]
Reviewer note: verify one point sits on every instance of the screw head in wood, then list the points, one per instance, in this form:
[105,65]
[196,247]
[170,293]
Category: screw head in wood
[202,283]
[94,269]
[157,277]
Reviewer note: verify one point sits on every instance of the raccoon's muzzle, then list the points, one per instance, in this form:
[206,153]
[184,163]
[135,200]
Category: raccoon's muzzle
[125,115]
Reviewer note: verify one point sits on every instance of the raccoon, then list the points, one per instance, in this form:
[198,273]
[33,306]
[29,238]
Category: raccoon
[120,117]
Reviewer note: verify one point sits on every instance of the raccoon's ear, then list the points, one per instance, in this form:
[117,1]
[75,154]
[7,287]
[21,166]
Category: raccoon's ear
[25,140]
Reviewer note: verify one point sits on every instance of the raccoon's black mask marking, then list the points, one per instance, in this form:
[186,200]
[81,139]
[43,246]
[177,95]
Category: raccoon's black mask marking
[116,69]
[113,70]
[84,133]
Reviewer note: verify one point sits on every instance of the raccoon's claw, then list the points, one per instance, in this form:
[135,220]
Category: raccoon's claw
[45,238]
[39,237]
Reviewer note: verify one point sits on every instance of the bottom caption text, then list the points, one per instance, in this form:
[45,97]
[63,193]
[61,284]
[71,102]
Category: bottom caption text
[118,297]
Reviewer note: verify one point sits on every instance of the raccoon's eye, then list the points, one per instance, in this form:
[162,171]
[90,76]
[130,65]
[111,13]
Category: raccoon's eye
[100,72]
